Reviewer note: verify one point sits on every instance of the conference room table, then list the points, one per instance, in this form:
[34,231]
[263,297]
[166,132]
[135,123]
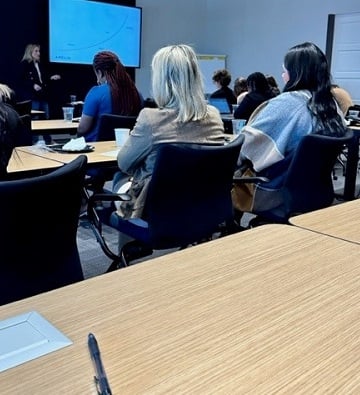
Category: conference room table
[36,159]
[53,126]
[273,309]
[341,221]
[24,164]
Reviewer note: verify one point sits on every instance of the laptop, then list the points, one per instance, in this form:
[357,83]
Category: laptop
[221,104]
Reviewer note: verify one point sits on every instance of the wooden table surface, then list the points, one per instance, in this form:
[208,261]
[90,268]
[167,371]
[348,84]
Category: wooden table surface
[25,162]
[53,126]
[105,153]
[341,220]
[270,310]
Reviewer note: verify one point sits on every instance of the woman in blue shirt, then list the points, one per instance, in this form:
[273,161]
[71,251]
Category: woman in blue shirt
[115,93]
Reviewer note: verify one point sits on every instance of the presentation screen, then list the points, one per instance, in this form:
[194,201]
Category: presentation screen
[78,29]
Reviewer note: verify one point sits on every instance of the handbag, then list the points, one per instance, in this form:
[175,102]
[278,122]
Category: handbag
[242,194]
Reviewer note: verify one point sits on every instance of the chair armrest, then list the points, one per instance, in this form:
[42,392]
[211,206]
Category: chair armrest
[109,197]
[93,214]
[247,180]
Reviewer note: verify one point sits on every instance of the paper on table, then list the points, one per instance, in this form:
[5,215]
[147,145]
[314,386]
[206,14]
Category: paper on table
[112,154]
[26,337]
[75,144]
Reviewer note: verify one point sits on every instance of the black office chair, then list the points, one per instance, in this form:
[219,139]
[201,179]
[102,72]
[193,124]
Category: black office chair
[26,136]
[39,221]
[23,107]
[108,122]
[188,199]
[308,184]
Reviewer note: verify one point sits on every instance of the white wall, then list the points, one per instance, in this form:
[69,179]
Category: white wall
[255,34]
[167,22]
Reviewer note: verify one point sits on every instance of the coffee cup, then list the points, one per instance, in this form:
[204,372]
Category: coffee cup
[121,135]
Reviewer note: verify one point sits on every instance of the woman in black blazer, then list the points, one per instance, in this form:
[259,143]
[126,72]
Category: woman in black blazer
[35,79]
[34,82]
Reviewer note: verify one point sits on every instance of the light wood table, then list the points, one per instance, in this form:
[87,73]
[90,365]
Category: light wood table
[270,310]
[104,154]
[341,221]
[23,163]
[53,126]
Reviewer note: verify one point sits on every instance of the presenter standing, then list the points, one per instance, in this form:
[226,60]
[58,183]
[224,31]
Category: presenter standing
[35,80]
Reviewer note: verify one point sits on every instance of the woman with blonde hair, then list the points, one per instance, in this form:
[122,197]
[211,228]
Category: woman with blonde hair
[182,116]
[35,79]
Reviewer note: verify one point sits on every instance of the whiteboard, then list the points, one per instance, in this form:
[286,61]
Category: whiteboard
[209,64]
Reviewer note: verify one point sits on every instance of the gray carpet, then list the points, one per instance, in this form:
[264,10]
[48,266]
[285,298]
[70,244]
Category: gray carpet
[95,262]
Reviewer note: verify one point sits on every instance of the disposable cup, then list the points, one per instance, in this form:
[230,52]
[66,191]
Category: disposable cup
[121,135]
[68,113]
[237,125]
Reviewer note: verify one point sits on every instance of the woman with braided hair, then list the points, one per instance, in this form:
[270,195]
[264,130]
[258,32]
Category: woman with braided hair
[115,93]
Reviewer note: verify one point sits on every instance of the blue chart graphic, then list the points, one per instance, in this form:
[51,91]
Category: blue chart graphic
[79,29]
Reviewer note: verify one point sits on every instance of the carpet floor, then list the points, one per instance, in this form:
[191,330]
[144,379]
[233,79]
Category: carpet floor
[95,262]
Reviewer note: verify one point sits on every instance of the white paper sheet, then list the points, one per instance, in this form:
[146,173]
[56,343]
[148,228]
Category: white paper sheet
[112,154]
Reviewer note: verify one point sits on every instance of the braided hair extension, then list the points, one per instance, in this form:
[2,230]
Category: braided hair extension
[125,97]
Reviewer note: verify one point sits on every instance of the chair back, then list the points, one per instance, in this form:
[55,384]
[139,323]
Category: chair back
[23,107]
[26,135]
[39,221]
[308,185]
[189,195]
[108,122]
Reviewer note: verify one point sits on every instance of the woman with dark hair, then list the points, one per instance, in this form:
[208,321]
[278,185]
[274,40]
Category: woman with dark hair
[115,93]
[272,134]
[240,89]
[273,84]
[222,79]
[258,92]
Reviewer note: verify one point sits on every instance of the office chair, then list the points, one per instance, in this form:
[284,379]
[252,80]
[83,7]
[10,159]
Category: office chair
[23,107]
[26,135]
[39,221]
[188,199]
[308,184]
[108,122]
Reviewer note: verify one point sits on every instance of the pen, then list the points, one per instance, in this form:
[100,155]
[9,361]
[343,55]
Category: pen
[101,380]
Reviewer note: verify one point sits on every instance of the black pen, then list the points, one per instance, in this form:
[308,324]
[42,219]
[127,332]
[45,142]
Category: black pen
[100,378]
